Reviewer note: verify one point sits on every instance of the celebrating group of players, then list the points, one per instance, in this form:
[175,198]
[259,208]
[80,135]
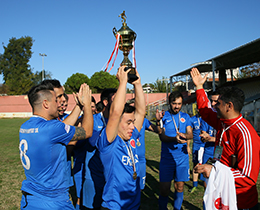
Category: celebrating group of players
[108,148]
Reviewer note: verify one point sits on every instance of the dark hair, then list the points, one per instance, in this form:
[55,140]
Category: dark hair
[100,106]
[106,93]
[128,108]
[66,97]
[216,92]
[93,99]
[37,91]
[234,95]
[174,95]
[55,83]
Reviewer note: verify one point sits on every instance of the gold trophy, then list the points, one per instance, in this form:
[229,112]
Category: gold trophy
[127,36]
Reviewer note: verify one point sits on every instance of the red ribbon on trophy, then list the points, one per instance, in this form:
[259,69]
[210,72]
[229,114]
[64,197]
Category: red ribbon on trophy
[118,36]
[115,49]
[133,54]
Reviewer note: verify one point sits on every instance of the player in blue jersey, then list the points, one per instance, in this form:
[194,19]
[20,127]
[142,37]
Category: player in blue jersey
[70,119]
[43,141]
[94,172]
[197,148]
[174,164]
[117,146]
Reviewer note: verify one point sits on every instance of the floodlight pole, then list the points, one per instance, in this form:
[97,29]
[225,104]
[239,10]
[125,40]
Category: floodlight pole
[42,54]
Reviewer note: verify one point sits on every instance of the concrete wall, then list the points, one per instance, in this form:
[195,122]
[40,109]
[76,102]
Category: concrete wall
[18,106]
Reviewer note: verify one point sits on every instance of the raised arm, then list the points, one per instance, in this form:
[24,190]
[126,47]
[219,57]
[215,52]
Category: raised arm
[203,102]
[139,103]
[86,129]
[117,105]
[74,115]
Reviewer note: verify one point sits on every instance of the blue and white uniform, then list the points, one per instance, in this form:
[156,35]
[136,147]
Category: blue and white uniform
[196,123]
[209,146]
[140,144]
[121,190]
[44,158]
[174,162]
[94,172]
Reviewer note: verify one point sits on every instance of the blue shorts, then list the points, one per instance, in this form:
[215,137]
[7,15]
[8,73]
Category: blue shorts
[32,202]
[142,166]
[175,168]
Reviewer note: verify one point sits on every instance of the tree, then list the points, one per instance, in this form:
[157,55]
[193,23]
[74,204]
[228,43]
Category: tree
[251,70]
[37,77]
[73,83]
[160,85]
[101,80]
[17,74]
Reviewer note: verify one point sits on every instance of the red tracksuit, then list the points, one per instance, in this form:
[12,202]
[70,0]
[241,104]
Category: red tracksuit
[241,140]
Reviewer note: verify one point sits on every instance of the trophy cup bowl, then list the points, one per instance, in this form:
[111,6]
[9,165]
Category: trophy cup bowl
[127,36]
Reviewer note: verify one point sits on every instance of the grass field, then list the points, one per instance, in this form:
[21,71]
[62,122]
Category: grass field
[12,175]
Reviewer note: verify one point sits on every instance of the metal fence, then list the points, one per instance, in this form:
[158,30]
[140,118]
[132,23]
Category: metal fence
[251,112]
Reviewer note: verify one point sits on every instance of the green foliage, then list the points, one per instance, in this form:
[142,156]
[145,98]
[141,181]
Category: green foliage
[160,85]
[252,70]
[73,83]
[101,80]
[37,78]
[14,65]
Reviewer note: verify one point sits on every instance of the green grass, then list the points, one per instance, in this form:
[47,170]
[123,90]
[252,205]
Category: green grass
[12,175]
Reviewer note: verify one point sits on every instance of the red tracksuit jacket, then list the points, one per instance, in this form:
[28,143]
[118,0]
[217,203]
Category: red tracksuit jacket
[240,139]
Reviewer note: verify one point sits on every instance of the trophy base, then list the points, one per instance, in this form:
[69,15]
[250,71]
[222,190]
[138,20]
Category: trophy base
[131,74]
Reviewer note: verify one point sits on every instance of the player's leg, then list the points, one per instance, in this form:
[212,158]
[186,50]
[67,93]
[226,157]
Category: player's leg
[194,175]
[182,175]
[166,175]
[164,193]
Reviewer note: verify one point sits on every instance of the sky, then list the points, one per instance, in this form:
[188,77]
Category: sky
[76,35]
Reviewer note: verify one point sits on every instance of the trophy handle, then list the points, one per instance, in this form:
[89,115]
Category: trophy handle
[134,36]
[114,31]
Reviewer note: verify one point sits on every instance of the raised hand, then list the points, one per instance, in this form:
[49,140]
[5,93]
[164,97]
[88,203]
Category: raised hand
[84,95]
[198,80]
[159,115]
[122,74]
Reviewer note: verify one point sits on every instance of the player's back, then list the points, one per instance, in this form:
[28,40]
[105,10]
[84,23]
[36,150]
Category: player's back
[43,155]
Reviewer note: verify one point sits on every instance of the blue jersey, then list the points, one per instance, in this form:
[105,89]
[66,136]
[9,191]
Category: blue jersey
[209,146]
[94,172]
[196,122]
[121,190]
[182,121]
[44,158]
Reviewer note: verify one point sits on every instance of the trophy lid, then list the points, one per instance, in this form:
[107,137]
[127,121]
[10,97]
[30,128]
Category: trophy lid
[125,31]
